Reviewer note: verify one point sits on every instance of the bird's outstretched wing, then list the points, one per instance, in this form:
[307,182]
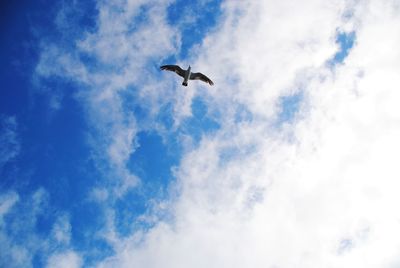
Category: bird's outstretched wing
[202,77]
[174,68]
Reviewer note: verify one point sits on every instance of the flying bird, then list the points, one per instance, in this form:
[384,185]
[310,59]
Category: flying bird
[187,74]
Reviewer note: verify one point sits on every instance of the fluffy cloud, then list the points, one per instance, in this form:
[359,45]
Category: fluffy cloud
[65,260]
[62,230]
[113,62]
[320,192]
[18,221]
[317,192]
[20,241]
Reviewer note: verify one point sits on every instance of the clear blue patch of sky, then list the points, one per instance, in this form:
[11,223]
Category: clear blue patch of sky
[141,18]
[346,41]
[19,53]
[165,116]
[193,29]
[242,114]
[290,105]
[201,122]
[152,160]
[54,148]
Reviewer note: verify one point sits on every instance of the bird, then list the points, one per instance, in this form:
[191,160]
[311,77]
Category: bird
[187,74]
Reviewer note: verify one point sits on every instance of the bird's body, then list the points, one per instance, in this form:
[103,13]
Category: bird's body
[186,78]
[187,74]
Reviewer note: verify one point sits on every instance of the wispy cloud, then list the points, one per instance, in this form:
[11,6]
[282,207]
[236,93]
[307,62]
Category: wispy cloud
[250,197]
[67,259]
[19,241]
[117,59]
[321,191]
[7,201]
[62,230]
[23,238]
[115,66]
[9,142]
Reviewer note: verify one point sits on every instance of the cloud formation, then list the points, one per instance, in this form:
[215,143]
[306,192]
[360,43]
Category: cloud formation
[319,191]
[65,260]
[116,60]
[23,239]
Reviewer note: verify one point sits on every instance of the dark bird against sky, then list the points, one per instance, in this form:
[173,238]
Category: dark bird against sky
[187,74]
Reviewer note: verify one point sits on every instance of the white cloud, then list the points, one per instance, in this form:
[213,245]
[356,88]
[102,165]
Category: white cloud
[19,239]
[7,201]
[322,192]
[126,45]
[62,230]
[69,259]
[98,194]
[116,60]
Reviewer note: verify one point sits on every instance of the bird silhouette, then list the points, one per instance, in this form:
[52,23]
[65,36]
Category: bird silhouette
[187,74]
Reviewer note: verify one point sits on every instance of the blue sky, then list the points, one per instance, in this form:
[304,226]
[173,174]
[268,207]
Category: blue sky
[106,161]
[45,129]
